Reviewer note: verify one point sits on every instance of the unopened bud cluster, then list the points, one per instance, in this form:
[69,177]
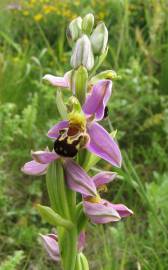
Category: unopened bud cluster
[87,42]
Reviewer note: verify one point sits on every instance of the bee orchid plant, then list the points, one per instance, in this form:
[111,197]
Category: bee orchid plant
[79,142]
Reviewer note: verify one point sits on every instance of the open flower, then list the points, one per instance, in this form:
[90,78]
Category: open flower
[100,210]
[82,130]
[97,209]
[50,243]
[79,180]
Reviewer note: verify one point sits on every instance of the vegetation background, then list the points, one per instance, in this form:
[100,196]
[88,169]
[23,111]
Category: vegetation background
[32,43]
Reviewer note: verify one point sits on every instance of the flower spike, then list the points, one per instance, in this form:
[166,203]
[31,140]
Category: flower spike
[78,132]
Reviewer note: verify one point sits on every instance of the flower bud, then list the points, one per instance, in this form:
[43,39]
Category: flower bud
[74,29]
[79,83]
[50,243]
[82,54]
[99,39]
[88,23]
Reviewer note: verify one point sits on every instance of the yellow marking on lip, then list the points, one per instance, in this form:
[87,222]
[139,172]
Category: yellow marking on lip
[102,188]
[95,199]
[77,119]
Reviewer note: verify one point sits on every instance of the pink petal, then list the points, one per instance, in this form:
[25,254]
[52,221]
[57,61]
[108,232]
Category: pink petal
[34,168]
[100,212]
[58,81]
[122,210]
[44,157]
[103,178]
[103,145]
[54,131]
[50,243]
[78,180]
[97,100]
[81,241]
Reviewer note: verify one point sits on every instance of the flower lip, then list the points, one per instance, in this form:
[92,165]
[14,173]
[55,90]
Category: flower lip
[70,140]
[65,149]
[73,130]
[93,199]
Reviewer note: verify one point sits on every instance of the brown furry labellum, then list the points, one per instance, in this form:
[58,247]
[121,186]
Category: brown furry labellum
[70,140]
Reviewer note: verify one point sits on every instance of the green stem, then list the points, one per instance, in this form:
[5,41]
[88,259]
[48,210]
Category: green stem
[61,190]
[69,249]
[71,197]
[63,201]
[81,217]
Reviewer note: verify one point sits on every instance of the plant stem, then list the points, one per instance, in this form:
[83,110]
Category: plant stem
[69,249]
[63,201]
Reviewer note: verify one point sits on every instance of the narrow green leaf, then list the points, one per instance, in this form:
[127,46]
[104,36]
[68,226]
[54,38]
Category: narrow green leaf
[62,199]
[51,181]
[10,42]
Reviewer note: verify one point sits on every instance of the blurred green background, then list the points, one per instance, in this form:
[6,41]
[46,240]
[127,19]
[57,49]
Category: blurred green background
[33,43]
